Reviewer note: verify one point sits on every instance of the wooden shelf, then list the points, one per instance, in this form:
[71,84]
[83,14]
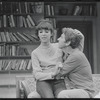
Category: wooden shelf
[15,71]
[22,43]
[66,16]
[16,28]
[23,14]
[15,57]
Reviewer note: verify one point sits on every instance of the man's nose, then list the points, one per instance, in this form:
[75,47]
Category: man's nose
[58,39]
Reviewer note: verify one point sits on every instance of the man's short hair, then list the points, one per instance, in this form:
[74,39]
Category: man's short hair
[75,39]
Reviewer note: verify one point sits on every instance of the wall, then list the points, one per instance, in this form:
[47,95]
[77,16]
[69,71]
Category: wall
[98,37]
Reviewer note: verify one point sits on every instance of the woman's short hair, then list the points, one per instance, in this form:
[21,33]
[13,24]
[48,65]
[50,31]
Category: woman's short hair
[45,24]
[75,39]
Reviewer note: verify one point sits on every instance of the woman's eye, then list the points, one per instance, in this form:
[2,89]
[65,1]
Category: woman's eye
[40,31]
[46,31]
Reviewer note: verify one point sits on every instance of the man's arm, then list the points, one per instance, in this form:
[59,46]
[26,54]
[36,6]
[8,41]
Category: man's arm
[69,65]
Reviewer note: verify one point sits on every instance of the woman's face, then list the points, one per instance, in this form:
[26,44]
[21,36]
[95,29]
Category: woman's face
[61,40]
[44,35]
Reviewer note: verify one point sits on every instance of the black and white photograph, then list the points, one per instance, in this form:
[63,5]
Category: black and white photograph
[49,49]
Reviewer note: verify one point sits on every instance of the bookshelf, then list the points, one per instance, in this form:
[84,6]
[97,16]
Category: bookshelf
[18,39]
[17,34]
[79,15]
[54,9]
[72,11]
[17,30]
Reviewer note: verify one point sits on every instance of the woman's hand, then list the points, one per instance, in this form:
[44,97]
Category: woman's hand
[57,69]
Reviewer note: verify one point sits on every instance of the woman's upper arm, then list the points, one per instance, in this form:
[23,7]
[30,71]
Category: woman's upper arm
[37,70]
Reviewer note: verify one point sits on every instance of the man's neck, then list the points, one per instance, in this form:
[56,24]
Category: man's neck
[69,50]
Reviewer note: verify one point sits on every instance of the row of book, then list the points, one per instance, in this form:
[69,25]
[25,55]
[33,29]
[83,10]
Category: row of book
[49,10]
[21,7]
[17,21]
[12,50]
[6,36]
[84,10]
[25,64]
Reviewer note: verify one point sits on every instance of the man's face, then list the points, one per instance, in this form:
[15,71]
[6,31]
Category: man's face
[44,35]
[61,40]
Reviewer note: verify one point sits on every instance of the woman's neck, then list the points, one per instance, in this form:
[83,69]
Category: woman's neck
[45,44]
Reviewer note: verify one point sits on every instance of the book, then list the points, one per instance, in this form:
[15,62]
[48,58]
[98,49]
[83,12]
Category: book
[49,10]
[24,22]
[26,51]
[12,38]
[7,36]
[13,65]
[3,37]
[29,66]
[0,50]
[5,63]
[32,7]
[4,20]
[7,53]
[27,61]
[31,20]
[9,22]
[1,21]
[17,37]
[24,65]
[26,8]
[28,23]
[23,37]
[17,8]
[14,48]
[38,7]
[0,37]
[20,51]
[30,36]
[18,62]
[52,10]
[21,65]
[0,65]
[8,65]
[77,8]
[55,36]
[22,5]
[20,21]
[1,8]
[12,20]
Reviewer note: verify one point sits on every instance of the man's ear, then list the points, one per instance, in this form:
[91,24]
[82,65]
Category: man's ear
[68,43]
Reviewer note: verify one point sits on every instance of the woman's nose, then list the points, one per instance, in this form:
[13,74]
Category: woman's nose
[43,33]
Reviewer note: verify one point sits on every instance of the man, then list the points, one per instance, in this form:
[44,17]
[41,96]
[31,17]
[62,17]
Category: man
[76,68]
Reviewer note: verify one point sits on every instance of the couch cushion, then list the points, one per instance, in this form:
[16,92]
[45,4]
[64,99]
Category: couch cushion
[96,81]
[29,85]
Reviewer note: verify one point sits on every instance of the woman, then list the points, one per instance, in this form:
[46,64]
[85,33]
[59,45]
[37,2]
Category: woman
[44,59]
[76,68]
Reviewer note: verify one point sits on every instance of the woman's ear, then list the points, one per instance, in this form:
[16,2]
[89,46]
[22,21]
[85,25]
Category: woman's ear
[68,43]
